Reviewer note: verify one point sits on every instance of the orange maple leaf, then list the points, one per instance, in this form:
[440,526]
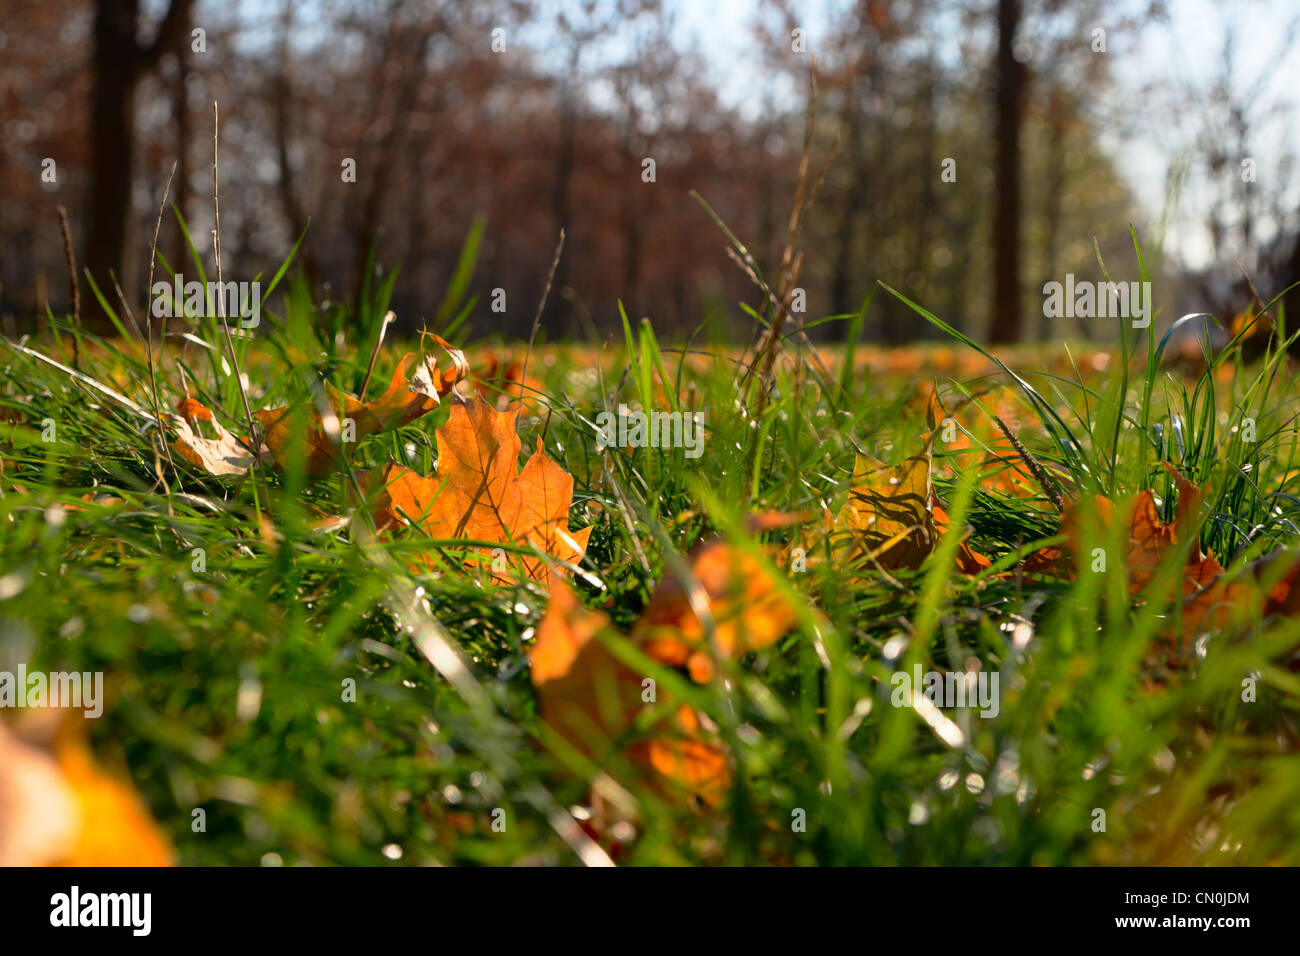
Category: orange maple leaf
[1206,595]
[478,492]
[1148,539]
[749,611]
[593,700]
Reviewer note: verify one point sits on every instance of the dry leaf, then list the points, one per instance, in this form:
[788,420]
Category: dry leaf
[58,806]
[223,455]
[969,561]
[479,493]
[116,828]
[502,380]
[40,817]
[1207,597]
[593,700]
[893,518]
[749,611]
[888,514]
[1148,540]
[401,403]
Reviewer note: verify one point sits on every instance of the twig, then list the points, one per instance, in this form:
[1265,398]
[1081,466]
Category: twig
[1259,300]
[625,510]
[537,319]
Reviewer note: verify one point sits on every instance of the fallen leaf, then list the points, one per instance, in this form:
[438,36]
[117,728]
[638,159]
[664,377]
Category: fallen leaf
[223,455]
[1206,596]
[194,411]
[1149,539]
[681,753]
[405,400]
[40,817]
[893,518]
[888,515]
[969,561]
[503,380]
[117,829]
[593,700]
[748,609]
[479,493]
[59,807]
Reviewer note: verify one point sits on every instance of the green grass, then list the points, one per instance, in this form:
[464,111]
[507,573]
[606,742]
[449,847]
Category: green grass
[225,679]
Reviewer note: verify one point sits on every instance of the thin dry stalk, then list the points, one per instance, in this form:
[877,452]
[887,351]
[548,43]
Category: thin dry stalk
[537,319]
[148,311]
[791,258]
[253,438]
[1045,480]
[74,290]
[389,316]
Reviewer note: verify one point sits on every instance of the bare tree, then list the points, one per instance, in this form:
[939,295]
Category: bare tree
[1006,319]
[119,62]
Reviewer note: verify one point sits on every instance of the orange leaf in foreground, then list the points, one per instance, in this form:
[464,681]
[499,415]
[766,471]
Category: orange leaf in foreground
[479,493]
[593,699]
[116,828]
[584,692]
[58,806]
[749,611]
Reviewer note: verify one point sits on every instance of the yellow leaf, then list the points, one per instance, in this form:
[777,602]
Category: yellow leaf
[888,515]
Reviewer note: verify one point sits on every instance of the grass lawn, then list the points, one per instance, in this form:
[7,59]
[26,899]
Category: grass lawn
[331,693]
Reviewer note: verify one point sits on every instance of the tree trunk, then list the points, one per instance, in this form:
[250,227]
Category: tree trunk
[119,62]
[561,195]
[843,273]
[1291,301]
[1005,325]
[117,68]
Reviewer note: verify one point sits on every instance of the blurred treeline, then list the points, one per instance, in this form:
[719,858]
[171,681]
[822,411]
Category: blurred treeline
[554,131]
